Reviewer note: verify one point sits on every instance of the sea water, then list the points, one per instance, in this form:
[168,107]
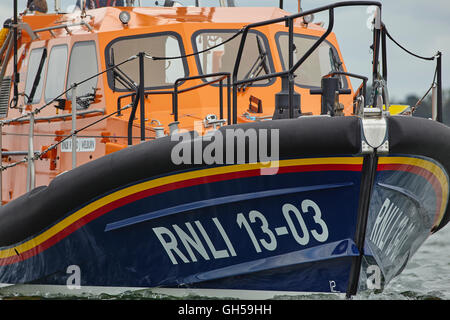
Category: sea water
[427,276]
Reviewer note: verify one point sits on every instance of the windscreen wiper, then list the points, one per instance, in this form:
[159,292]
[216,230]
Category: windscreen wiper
[125,80]
[259,65]
[336,65]
[37,78]
[119,75]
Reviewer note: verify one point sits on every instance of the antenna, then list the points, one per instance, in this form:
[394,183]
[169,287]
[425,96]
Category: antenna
[16,73]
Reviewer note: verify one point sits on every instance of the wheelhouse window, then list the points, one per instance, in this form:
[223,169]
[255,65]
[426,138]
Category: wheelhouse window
[37,59]
[56,72]
[322,61]
[157,73]
[256,59]
[83,65]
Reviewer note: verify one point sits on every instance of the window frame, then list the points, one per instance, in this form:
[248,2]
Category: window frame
[259,33]
[306,36]
[42,79]
[47,100]
[178,37]
[67,86]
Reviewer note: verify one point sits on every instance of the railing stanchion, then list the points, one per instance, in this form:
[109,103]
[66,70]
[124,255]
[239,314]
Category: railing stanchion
[175,102]
[1,164]
[221,99]
[384,52]
[439,116]
[434,107]
[290,25]
[15,43]
[234,116]
[74,126]
[30,159]
[132,116]
[229,99]
[142,93]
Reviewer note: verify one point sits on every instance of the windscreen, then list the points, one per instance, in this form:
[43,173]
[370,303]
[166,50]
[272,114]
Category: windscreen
[220,54]
[322,61]
[158,73]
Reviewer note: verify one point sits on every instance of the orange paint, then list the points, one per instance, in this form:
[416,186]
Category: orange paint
[193,105]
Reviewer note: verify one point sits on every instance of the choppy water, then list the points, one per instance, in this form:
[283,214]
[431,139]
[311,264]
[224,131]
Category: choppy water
[426,277]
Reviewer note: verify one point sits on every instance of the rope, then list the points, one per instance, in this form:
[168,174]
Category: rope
[38,155]
[419,102]
[37,110]
[406,50]
[65,135]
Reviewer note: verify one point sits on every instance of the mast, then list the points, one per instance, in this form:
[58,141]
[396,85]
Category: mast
[16,74]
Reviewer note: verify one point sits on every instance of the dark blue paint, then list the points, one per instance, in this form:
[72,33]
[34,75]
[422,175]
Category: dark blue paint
[215,202]
[134,257]
[416,201]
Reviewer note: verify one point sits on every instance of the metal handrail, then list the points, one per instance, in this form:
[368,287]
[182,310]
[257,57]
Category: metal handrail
[136,97]
[288,20]
[31,117]
[37,155]
[64,26]
[221,75]
[61,116]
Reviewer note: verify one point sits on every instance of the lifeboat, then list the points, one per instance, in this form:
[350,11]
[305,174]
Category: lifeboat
[218,150]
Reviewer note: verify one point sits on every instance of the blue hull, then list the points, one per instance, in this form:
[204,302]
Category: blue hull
[239,233]
[336,222]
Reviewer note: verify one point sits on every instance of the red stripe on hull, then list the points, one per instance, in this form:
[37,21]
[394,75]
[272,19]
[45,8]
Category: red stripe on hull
[165,188]
[428,175]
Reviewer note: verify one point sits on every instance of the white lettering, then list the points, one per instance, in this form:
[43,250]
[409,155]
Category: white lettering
[287,209]
[74,280]
[83,145]
[332,286]
[215,147]
[225,237]
[217,254]
[181,152]
[190,310]
[272,244]
[170,245]
[194,235]
[188,242]
[240,145]
[380,217]
[374,280]
[323,236]
[242,221]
